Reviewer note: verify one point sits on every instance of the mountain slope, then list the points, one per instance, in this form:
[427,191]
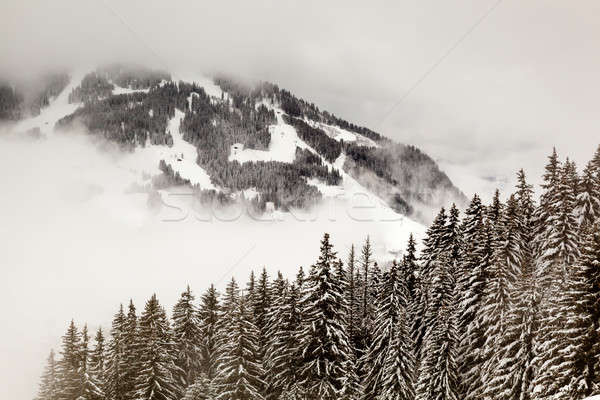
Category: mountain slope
[227,140]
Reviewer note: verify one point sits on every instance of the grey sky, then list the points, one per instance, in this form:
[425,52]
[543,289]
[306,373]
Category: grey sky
[526,78]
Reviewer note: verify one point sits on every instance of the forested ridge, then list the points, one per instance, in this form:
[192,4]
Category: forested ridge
[21,99]
[409,180]
[501,303]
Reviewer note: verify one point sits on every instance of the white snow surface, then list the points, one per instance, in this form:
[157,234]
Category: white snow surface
[181,157]
[339,134]
[282,146]
[355,201]
[123,90]
[209,86]
[57,109]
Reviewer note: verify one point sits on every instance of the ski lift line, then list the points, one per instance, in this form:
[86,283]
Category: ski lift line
[440,60]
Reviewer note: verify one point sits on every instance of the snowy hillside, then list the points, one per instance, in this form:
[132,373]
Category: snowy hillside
[140,164]
[260,148]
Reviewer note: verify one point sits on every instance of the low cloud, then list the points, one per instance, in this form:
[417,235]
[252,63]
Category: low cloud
[77,242]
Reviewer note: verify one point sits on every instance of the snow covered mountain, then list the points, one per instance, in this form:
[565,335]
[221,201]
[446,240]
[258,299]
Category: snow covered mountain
[232,145]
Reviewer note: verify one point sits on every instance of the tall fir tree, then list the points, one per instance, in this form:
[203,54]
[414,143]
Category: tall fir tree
[433,245]
[559,244]
[398,378]
[208,314]
[97,363]
[514,374]
[187,337]
[591,262]
[324,341]
[70,364]
[587,209]
[366,307]
[390,358]
[117,363]
[353,297]
[283,350]
[240,370]
[50,383]
[505,267]
[351,385]
[131,352]
[548,207]
[90,388]
[157,379]
[438,370]
[410,267]
[472,278]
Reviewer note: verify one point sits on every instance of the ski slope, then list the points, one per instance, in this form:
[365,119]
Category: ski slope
[123,90]
[282,146]
[57,109]
[181,157]
[350,198]
[339,134]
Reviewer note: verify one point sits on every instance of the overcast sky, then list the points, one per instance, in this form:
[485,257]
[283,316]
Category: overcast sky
[505,86]
[484,87]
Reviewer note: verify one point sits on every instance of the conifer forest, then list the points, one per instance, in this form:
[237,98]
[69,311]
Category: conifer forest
[499,301]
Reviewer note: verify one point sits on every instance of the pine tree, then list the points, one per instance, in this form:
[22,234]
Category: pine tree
[366,308]
[353,299]
[472,278]
[494,211]
[587,208]
[513,376]
[261,308]
[131,353]
[70,364]
[50,384]
[398,373]
[505,267]
[240,371]
[595,161]
[438,369]
[157,377]
[591,262]
[566,340]
[559,245]
[187,337]
[283,351]
[433,245]
[90,389]
[351,387]
[548,202]
[389,358]
[410,267]
[325,346]
[97,364]
[116,365]
[251,288]
[300,276]
[209,324]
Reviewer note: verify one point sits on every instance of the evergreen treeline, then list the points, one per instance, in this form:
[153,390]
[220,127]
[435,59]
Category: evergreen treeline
[317,139]
[408,177]
[133,76]
[23,99]
[503,303]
